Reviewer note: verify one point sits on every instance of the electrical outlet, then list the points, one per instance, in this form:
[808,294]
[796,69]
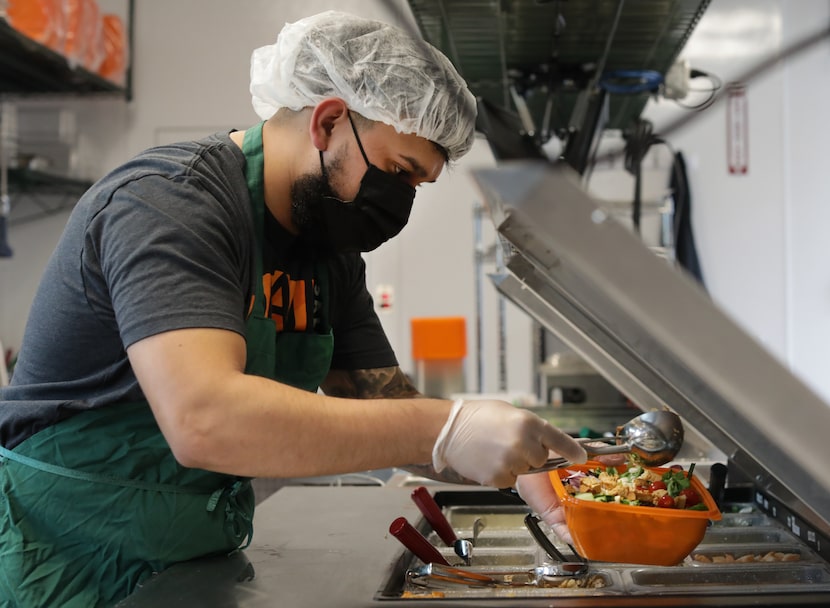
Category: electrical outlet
[676,81]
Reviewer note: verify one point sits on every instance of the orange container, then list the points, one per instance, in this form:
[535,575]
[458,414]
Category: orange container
[611,532]
[84,43]
[439,338]
[40,20]
[439,345]
[114,39]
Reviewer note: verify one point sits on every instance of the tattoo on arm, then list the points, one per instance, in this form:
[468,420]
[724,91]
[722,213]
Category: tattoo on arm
[378,383]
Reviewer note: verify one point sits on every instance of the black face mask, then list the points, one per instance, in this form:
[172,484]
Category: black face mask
[378,212]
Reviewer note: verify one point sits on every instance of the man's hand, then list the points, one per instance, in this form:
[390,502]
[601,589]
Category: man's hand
[491,442]
[537,491]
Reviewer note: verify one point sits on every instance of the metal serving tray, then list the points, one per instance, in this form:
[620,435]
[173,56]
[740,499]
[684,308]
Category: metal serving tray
[504,545]
[659,338]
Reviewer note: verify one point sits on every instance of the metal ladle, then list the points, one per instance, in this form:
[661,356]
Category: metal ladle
[653,438]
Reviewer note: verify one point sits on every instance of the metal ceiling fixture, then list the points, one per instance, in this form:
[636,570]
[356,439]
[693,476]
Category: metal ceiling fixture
[546,62]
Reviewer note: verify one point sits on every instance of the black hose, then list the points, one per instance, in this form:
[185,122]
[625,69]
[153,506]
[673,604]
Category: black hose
[5,249]
[717,482]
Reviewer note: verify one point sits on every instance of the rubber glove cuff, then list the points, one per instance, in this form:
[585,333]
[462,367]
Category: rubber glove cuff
[438,461]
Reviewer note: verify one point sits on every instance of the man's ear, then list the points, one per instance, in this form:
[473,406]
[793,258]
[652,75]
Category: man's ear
[326,116]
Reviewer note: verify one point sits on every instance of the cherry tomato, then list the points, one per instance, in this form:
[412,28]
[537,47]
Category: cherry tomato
[657,485]
[692,497]
[665,501]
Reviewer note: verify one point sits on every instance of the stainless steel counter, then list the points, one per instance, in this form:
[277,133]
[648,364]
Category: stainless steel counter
[327,546]
[312,547]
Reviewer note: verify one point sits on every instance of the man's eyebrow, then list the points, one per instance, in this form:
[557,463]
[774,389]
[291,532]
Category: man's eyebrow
[417,168]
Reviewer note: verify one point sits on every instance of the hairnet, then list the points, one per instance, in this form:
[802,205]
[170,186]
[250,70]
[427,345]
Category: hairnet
[378,70]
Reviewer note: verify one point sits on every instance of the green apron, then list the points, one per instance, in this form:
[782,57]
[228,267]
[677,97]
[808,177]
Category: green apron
[93,505]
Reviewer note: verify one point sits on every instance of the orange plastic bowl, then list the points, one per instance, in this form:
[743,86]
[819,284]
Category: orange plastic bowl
[611,532]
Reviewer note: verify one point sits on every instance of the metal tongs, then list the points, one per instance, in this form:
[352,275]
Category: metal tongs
[565,566]
[441,575]
[437,575]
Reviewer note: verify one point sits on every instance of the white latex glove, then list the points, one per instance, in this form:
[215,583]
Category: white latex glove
[537,491]
[492,442]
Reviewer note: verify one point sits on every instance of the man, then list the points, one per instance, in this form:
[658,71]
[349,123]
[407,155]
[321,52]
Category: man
[200,296]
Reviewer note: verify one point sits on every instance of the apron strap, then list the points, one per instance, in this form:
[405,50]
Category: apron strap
[255,177]
[54,469]
[236,517]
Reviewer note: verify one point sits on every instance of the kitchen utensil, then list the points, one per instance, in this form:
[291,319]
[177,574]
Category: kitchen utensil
[478,525]
[437,575]
[653,438]
[432,512]
[415,542]
[429,574]
[564,565]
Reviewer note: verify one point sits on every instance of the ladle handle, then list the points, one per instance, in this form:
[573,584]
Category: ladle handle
[603,450]
[551,464]
[415,542]
[599,439]
[433,514]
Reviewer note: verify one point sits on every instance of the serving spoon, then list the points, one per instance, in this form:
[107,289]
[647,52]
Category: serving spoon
[431,511]
[652,438]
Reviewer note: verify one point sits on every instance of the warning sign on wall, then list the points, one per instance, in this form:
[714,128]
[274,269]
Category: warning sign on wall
[737,129]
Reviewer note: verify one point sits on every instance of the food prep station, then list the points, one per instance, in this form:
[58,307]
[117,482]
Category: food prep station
[754,431]
[324,546]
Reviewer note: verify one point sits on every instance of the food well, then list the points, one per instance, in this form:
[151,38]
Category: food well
[506,552]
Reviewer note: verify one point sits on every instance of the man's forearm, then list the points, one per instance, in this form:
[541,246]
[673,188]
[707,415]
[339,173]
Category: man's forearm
[292,433]
[389,382]
[447,475]
[216,417]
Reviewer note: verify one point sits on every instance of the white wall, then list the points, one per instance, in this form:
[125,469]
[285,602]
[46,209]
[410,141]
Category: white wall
[760,236]
[807,190]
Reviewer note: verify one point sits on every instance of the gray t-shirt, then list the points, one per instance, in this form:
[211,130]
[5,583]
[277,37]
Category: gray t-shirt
[164,242]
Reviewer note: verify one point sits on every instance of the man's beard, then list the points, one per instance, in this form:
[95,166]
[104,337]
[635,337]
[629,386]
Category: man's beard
[307,192]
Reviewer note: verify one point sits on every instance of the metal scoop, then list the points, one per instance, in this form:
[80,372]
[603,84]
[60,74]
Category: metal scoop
[653,438]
